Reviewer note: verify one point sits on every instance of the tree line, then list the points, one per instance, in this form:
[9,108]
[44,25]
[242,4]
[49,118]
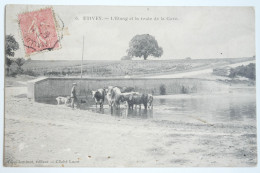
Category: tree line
[11,45]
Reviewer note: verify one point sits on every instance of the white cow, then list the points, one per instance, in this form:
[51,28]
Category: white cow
[108,95]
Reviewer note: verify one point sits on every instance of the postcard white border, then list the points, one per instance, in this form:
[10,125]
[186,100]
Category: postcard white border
[254,3]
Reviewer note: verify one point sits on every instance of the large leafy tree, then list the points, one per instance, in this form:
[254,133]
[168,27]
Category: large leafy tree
[11,46]
[143,46]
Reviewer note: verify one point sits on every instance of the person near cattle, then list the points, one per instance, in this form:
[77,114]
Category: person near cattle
[73,95]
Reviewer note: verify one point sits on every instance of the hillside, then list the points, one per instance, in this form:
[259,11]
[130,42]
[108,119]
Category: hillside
[124,68]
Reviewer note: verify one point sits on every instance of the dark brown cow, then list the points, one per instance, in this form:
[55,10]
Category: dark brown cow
[99,97]
[135,99]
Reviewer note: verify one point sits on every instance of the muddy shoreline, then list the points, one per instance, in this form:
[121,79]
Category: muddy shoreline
[38,134]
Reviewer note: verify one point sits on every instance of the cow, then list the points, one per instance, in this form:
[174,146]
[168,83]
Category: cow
[125,97]
[63,100]
[150,101]
[99,96]
[138,99]
[122,90]
[115,97]
[135,99]
[108,95]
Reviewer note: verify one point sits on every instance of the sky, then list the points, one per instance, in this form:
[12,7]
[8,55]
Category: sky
[195,32]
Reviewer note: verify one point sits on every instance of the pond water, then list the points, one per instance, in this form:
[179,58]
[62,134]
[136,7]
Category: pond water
[239,105]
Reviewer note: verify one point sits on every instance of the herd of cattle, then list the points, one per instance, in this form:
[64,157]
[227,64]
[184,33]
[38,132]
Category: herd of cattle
[115,96]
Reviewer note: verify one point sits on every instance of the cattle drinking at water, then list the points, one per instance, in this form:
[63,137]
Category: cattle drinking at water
[115,96]
[127,94]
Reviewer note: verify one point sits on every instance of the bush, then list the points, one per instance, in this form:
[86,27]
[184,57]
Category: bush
[13,73]
[244,71]
[19,71]
[162,89]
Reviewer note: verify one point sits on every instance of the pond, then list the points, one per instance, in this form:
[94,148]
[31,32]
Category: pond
[239,105]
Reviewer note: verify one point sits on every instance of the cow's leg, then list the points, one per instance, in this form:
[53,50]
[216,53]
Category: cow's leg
[66,101]
[111,108]
[117,105]
[129,105]
[101,104]
[145,105]
[126,113]
[132,106]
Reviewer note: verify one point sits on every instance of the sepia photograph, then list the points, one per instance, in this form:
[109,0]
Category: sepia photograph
[129,86]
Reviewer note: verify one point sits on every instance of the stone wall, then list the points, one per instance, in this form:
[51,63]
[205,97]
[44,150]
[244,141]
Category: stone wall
[53,87]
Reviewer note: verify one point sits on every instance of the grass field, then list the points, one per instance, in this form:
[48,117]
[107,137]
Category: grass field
[122,68]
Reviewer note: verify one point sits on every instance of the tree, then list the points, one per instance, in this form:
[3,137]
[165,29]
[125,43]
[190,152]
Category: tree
[8,61]
[143,46]
[11,45]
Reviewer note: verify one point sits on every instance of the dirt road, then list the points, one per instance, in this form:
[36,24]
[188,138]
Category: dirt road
[201,73]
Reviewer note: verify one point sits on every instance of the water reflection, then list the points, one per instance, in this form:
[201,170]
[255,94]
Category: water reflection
[162,101]
[129,113]
[139,113]
[213,108]
[218,108]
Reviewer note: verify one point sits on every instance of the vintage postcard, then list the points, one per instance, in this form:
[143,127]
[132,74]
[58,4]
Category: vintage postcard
[121,86]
